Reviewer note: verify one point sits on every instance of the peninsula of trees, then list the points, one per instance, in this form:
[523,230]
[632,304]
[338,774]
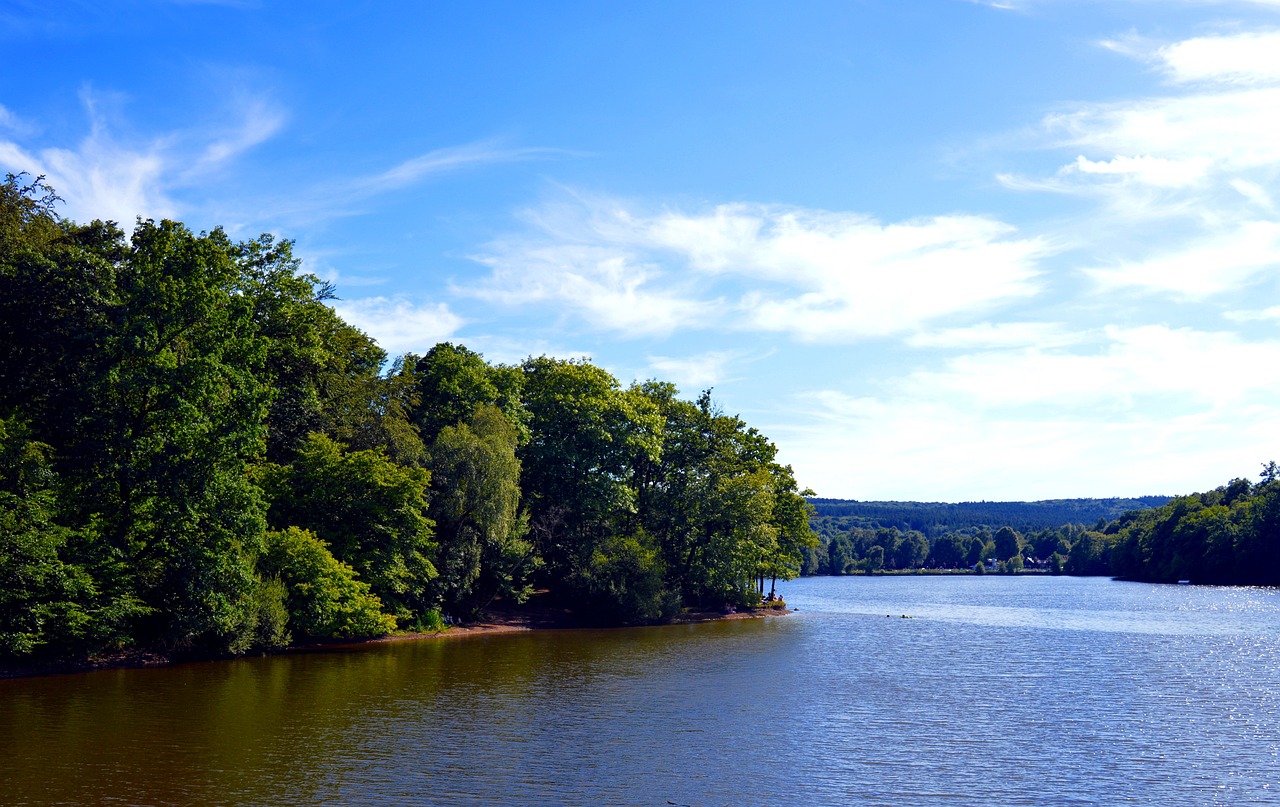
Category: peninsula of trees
[198,455]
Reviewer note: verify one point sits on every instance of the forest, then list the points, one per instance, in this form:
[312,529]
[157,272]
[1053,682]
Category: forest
[1229,535]
[934,519]
[199,456]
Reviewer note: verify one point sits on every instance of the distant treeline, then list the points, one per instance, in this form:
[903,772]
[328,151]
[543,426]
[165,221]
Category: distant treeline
[198,455]
[1230,535]
[935,519]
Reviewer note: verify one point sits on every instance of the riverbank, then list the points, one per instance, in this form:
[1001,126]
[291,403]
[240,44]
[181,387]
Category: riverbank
[518,619]
[492,621]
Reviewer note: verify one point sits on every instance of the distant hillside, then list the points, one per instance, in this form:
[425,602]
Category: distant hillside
[936,518]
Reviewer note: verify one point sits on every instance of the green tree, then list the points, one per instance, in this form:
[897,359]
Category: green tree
[841,556]
[1090,555]
[325,599]
[948,552]
[1007,543]
[874,561]
[179,407]
[912,551]
[451,381]
[815,560]
[369,511]
[146,385]
[624,581]
[48,603]
[975,551]
[1257,543]
[586,437]
[475,503]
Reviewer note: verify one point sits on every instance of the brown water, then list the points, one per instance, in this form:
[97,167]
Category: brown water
[1010,691]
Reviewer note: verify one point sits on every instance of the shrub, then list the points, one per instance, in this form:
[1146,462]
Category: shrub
[325,600]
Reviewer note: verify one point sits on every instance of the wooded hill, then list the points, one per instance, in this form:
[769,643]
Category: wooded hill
[934,519]
[1229,535]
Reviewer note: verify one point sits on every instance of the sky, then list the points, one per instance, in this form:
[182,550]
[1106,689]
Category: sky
[937,250]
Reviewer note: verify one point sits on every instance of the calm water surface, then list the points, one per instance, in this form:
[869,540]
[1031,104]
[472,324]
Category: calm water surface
[998,690]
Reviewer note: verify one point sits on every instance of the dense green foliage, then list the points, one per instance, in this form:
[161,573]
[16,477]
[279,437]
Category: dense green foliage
[1230,535]
[935,519]
[1227,535]
[198,455]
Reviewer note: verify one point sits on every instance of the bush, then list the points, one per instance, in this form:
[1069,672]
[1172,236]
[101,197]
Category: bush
[325,600]
[266,624]
[624,581]
[431,621]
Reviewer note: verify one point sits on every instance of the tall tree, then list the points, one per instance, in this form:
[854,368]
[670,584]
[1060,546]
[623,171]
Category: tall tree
[451,381]
[1008,543]
[475,503]
[178,407]
[586,437]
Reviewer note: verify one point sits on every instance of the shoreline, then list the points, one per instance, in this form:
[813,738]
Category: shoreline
[495,622]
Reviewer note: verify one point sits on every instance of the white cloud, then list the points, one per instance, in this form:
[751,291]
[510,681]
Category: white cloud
[1253,316]
[1179,135]
[1184,182]
[444,160]
[816,275]
[1151,170]
[333,198]
[1212,134]
[694,373]
[612,288]
[15,124]
[398,324]
[1019,5]
[99,180]
[258,122]
[1154,365]
[1101,419]
[1255,193]
[954,456]
[998,335]
[1213,264]
[103,177]
[1252,57]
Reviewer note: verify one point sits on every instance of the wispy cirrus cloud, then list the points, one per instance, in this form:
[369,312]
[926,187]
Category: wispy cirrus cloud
[116,178]
[1254,315]
[1122,369]
[15,125]
[815,275]
[444,160]
[1020,5]
[1172,141]
[1185,179]
[1215,125]
[336,198]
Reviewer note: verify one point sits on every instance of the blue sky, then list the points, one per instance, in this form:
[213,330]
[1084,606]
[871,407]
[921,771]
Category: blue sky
[937,250]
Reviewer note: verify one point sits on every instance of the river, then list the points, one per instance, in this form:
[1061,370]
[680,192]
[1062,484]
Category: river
[1004,690]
